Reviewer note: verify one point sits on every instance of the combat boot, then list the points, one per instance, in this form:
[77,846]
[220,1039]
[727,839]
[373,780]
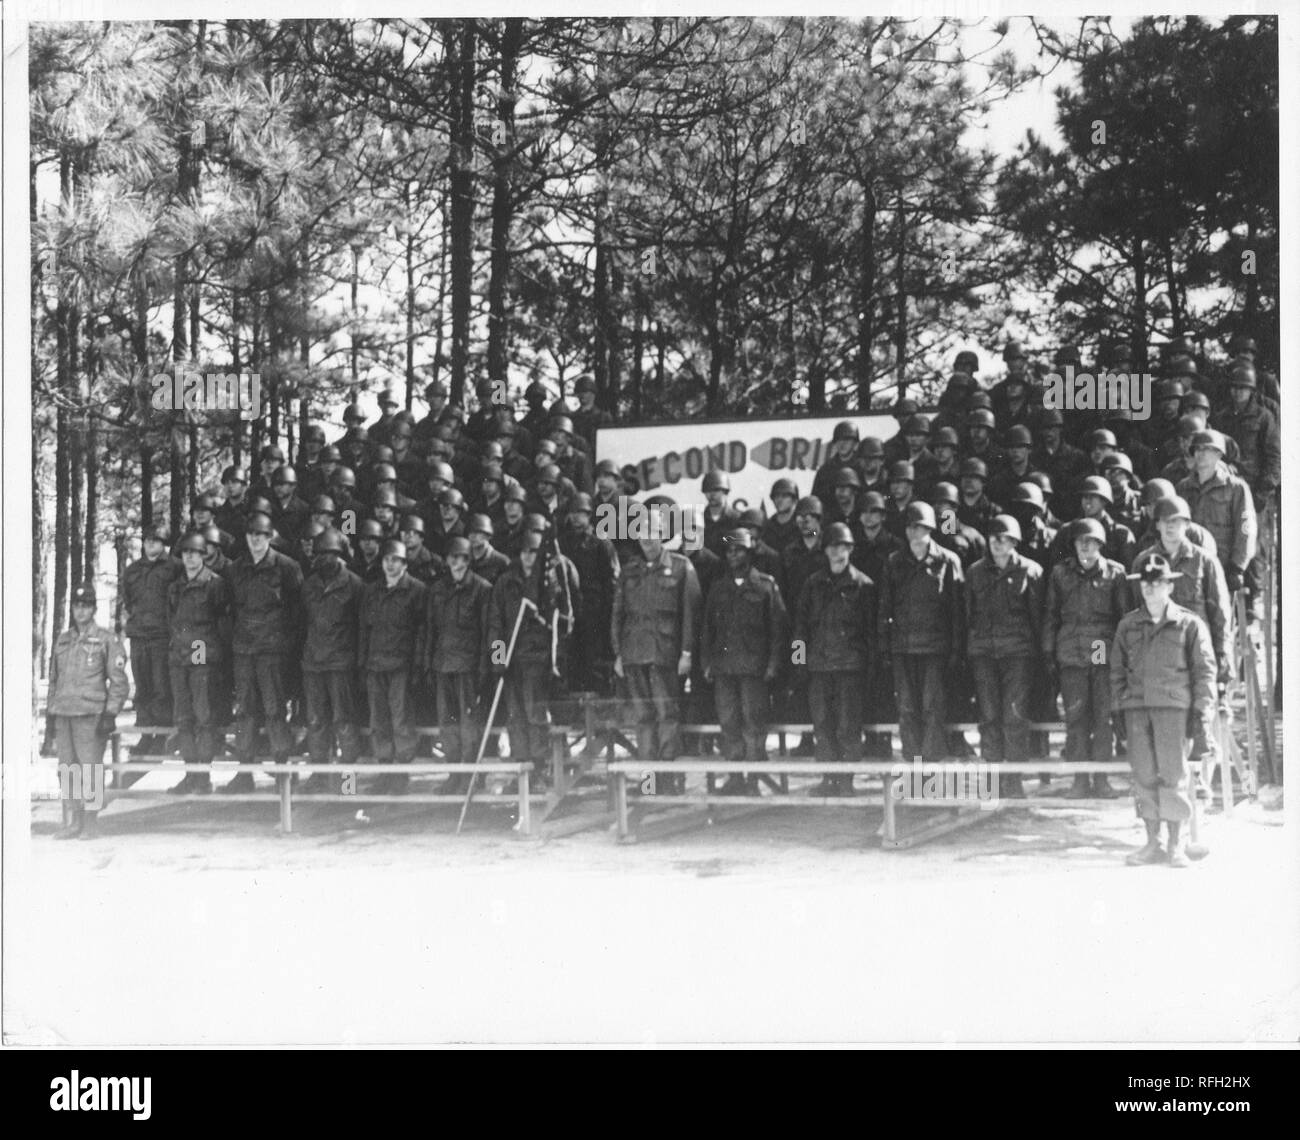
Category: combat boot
[1152,851]
[1101,787]
[241,784]
[1081,789]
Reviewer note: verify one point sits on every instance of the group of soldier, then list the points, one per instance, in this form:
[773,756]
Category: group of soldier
[985,558]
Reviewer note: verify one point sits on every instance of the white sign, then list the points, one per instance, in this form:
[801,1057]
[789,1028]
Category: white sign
[671,460]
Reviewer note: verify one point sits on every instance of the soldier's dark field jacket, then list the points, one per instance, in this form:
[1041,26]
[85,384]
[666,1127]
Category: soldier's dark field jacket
[87,673]
[456,626]
[1082,609]
[1223,505]
[333,613]
[745,627]
[656,610]
[921,608]
[534,642]
[268,604]
[144,593]
[200,610]
[1004,608]
[392,624]
[835,620]
[1164,665]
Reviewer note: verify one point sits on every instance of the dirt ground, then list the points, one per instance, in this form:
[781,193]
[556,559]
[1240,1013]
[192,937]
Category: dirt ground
[197,923]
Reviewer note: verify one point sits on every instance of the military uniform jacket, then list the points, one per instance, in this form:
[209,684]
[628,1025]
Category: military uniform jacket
[921,603]
[534,642]
[392,623]
[1082,609]
[490,567]
[268,604]
[145,586]
[835,619]
[456,627]
[1201,589]
[87,673]
[1223,506]
[745,627]
[715,530]
[1256,433]
[199,609]
[333,613]
[1004,608]
[656,611]
[596,565]
[798,564]
[1162,665]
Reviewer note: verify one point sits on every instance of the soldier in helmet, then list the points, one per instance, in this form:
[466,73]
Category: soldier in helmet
[654,626]
[439,478]
[952,403]
[199,615]
[974,508]
[1125,489]
[844,506]
[1128,437]
[763,557]
[801,559]
[323,512]
[409,466]
[331,600]
[233,512]
[1153,491]
[1062,462]
[1255,430]
[389,648]
[509,540]
[870,464]
[354,420]
[742,647]
[1179,446]
[347,507]
[779,528]
[436,393]
[380,430]
[895,446]
[547,498]
[1015,467]
[1004,603]
[980,426]
[574,465]
[1011,403]
[313,476]
[214,557]
[597,568]
[588,418]
[355,447]
[383,509]
[921,634]
[902,487]
[448,523]
[834,640]
[365,563]
[270,460]
[945,466]
[873,543]
[844,445]
[1222,503]
[1028,507]
[203,510]
[490,500]
[289,513]
[421,563]
[456,656]
[266,591]
[1119,543]
[719,518]
[535,419]
[1087,594]
[145,586]
[968,362]
[88,688]
[1162,677]
[952,534]
[485,561]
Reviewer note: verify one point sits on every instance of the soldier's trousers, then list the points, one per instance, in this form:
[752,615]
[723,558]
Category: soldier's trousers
[151,671]
[260,687]
[922,704]
[527,687]
[192,691]
[331,699]
[1085,694]
[392,730]
[80,747]
[1002,685]
[742,716]
[458,716]
[1156,750]
[655,690]
[836,703]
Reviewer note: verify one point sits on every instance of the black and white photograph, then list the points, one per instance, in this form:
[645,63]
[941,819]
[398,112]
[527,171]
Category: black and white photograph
[672,529]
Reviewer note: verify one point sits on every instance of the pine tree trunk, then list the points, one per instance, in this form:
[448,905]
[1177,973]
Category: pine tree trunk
[900,327]
[462,67]
[1140,333]
[502,205]
[866,297]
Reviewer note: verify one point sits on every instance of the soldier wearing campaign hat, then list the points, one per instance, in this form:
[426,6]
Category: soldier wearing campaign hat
[390,644]
[87,689]
[743,647]
[1162,677]
[145,585]
[921,632]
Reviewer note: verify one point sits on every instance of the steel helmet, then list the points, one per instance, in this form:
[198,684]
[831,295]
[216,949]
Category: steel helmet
[916,425]
[439,469]
[784,487]
[873,501]
[970,359]
[343,477]
[271,451]
[1174,507]
[536,392]
[847,477]
[973,468]
[1157,489]
[920,514]
[1195,399]
[548,473]
[383,473]
[871,448]
[845,430]
[809,505]
[412,523]
[1210,438]
[1006,526]
[451,497]
[980,417]
[1088,528]
[458,545]
[514,493]
[330,541]
[314,433]
[205,502]
[330,454]
[480,523]
[980,399]
[384,497]
[580,504]
[1018,436]
[739,537]
[559,423]
[716,481]
[284,475]
[1030,493]
[584,384]
[1242,375]
[1096,485]
[1102,437]
[394,547]
[944,493]
[751,518]
[1118,459]
[370,528]
[901,471]
[193,540]
[353,414]
[945,437]
[322,504]
[838,534]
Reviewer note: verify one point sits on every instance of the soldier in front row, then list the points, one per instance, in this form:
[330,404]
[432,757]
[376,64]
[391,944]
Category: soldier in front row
[1162,677]
[88,688]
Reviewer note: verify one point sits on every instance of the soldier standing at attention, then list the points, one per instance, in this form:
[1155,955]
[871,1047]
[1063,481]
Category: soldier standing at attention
[199,607]
[742,648]
[144,594]
[88,688]
[1162,676]
[656,614]
[392,621]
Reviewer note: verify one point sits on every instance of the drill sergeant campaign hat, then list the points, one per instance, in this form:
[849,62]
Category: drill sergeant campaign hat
[1155,568]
